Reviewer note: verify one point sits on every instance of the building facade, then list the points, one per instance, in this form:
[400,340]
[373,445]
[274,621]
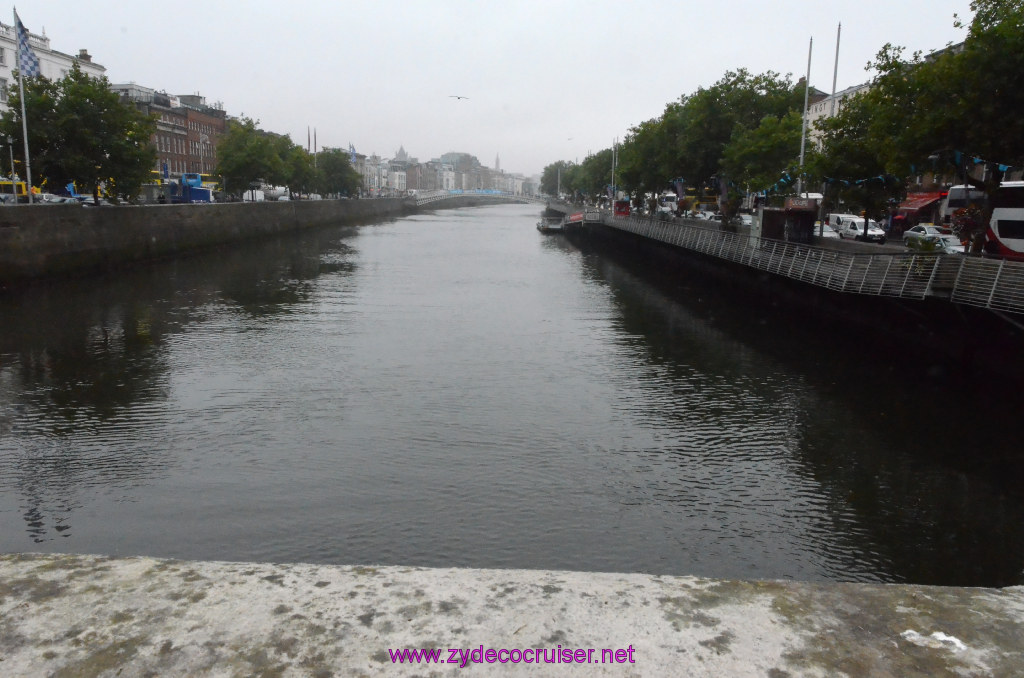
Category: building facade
[187,129]
[53,65]
[829,106]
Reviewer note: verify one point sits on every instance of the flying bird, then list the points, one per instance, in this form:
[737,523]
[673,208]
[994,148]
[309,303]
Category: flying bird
[456,96]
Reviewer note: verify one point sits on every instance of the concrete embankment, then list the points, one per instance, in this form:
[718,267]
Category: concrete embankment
[39,241]
[98,616]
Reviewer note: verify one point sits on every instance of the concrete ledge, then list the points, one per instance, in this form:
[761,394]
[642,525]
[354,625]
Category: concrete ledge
[38,241]
[98,616]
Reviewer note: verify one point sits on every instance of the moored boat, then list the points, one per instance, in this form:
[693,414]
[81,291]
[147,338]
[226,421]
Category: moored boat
[550,225]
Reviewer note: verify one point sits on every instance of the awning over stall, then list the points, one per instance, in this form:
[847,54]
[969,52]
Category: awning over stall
[918,201]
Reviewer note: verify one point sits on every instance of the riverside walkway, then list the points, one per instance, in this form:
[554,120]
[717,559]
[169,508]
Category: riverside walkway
[69,615]
[994,284]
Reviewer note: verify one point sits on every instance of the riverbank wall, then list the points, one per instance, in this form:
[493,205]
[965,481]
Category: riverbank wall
[42,241]
[80,615]
[931,337]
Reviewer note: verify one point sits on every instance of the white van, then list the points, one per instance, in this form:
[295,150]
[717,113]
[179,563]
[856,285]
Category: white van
[852,226]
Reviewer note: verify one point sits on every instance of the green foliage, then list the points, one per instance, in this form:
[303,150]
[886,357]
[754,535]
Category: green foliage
[850,163]
[747,127]
[957,103]
[336,174]
[80,131]
[703,125]
[643,153]
[755,156]
[556,175]
[693,134]
[246,154]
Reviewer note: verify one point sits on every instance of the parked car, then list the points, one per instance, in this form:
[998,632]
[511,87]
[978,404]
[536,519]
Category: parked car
[826,230]
[58,200]
[89,202]
[852,226]
[947,244]
[913,237]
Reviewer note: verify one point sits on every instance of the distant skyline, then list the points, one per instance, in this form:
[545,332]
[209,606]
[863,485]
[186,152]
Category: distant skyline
[531,81]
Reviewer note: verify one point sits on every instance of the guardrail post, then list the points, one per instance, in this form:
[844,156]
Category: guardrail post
[849,269]
[885,275]
[995,282]
[931,277]
[864,277]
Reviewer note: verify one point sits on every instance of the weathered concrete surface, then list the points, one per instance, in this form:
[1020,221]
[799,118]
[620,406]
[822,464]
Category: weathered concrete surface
[38,241]
[97,616]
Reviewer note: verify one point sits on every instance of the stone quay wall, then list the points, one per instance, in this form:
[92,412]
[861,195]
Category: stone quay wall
[40,241]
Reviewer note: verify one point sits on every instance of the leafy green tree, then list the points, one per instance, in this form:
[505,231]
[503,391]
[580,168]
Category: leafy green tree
[246,154]
[955,105]
[642,165]
[337,176]
[556,174]
[699,129]
[301,171]
[756,156]
[80,131]
[849,163]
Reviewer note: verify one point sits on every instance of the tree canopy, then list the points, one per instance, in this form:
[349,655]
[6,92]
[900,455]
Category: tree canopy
[950,110]
[247,154]
[694,135]
[80,131]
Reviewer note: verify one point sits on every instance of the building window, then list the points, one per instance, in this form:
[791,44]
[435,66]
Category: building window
[3,57]
[3,89]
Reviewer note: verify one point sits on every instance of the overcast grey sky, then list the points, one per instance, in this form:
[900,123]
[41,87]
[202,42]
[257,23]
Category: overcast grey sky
[546,79]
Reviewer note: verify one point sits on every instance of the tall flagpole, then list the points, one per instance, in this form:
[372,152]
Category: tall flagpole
[803,132]
[24,121]
[835,73]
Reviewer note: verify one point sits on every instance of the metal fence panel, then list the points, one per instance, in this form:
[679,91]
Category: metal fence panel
[995,284]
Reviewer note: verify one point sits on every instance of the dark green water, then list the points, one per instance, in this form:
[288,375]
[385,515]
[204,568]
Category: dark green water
[455,389]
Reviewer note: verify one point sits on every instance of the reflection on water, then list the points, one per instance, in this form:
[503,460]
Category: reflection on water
[455,389]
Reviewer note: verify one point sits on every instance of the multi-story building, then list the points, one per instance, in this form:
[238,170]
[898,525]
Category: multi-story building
[374,172]
[828,106]
[187,129]
[53,65]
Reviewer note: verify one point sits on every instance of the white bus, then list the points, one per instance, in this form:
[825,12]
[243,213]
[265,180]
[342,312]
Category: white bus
[1005,235]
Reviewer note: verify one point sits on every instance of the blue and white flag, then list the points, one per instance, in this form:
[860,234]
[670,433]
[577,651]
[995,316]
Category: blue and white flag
[28,62]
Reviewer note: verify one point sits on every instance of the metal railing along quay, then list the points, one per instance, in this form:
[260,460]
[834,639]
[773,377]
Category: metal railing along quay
[995,284]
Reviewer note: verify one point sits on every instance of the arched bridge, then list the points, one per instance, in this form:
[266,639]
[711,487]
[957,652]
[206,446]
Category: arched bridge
[427,197]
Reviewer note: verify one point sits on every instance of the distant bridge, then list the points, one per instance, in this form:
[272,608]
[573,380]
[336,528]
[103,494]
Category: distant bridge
[427,197]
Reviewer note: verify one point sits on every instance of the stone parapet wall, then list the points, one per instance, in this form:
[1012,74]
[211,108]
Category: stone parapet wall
[38,241]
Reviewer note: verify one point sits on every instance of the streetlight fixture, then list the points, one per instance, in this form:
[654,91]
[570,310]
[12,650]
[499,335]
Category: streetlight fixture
[10,149]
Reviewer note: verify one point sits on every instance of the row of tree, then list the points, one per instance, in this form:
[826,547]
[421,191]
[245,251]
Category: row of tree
[920,115]
[81,132]
[248,155]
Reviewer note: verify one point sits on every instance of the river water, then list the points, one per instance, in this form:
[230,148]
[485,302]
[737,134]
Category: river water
[455,389]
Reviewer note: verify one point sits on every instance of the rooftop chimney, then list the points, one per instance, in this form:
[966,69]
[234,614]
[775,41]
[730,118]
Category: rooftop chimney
[83,55]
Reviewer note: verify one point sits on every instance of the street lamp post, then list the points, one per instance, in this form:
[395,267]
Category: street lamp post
[10,149]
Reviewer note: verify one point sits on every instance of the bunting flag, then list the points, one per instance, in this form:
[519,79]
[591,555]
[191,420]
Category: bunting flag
[28,62]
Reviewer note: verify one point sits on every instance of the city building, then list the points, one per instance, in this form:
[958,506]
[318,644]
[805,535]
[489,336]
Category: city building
[822,107]
[53,65]
[187,129]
